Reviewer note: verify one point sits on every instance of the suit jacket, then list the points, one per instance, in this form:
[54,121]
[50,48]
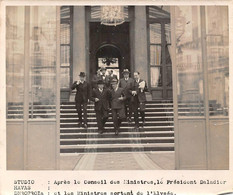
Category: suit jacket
[108,79]
[141,96]
[94,80]
[127,86]
[115,102]
[103,97]
[82,93]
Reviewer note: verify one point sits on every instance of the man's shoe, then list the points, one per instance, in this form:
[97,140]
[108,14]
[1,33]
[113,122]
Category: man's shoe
[80,124]
[129,120]
[101,132]
[116,132]
[143,124]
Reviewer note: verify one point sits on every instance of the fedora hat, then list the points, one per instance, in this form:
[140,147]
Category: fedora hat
[125,71]
[100,82]
[82,74]
[114,81]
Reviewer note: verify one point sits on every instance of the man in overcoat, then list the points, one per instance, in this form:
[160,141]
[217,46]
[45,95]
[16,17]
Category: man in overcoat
[81,98]
[127,84]
[117,105]
[139,98]
[101,97]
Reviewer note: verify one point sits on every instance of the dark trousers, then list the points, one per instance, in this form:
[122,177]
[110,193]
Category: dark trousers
[118,115]
[82,108]
[128,108]
[101,117]
[137,107]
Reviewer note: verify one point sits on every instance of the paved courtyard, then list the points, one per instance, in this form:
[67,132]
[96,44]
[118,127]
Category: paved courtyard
[119,161]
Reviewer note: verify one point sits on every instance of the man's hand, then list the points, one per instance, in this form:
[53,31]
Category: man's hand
[96,99]
[121,98]
[134,93]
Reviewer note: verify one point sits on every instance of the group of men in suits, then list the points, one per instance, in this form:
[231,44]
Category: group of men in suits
[122,97]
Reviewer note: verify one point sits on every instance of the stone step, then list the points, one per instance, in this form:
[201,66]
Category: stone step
[120,135]
[94,124]
[111,129]
[149,102]
[92,118]
[124,148]
[118,145]
[116,141]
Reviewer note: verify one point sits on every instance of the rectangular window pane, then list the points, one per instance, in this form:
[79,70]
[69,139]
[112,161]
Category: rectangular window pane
[156,76]
[155,33]
[65,78]
[42,86]
[218,59]
[65,55]
[159,12]
[14,61]
[189,65]
[65,33]
[155,55]
[65,12]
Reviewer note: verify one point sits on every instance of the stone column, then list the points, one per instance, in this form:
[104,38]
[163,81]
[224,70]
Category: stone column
[79,41]
[140,42]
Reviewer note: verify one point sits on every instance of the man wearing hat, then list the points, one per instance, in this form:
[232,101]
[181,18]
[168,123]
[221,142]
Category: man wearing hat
[117,105]
[101,97]
[139,99]
[81,98]
[127,83]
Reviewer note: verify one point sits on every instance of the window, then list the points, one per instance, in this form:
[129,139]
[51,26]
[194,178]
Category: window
[66,46]
[159,47]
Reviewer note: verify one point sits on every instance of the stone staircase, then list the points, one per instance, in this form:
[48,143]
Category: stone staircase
[157,134]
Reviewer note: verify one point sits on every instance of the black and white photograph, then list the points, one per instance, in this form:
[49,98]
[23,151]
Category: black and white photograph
[117,87]
[91,87]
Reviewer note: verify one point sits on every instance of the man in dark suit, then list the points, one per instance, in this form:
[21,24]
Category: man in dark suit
[139,98]
[117,105]
[81,98]
[101,97]
[127,83]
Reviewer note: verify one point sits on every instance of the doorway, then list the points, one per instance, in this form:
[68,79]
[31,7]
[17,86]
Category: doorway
[109,47]
[109,56]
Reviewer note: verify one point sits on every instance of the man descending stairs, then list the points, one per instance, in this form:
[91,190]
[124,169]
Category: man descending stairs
[156,135]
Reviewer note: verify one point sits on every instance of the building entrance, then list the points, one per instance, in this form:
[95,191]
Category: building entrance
[109,56]
[109,47]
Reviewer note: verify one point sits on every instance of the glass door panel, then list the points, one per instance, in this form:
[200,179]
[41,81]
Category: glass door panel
[15,62]
[42,80]
[189,65]
[218,60]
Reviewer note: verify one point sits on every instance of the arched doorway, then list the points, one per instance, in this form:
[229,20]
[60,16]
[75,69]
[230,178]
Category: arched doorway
[109,56]
[108,42]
